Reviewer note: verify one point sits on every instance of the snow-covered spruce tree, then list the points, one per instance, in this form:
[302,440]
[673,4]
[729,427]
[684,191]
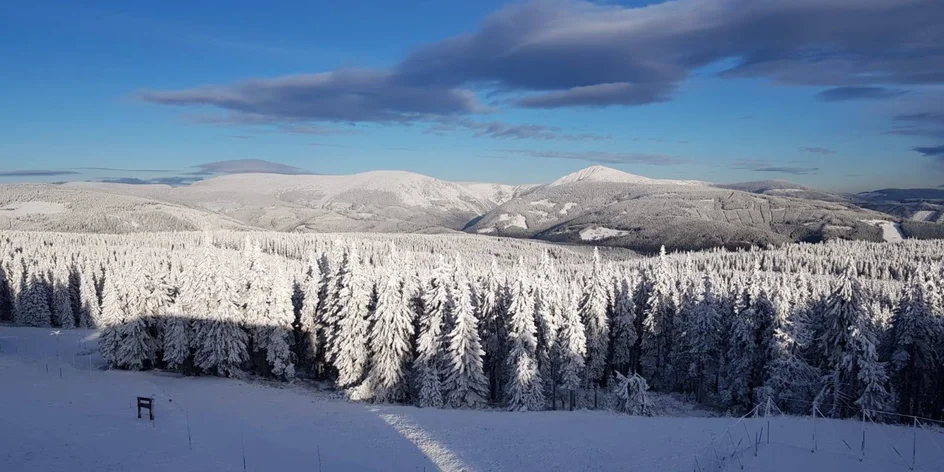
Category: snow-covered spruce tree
[351,309]
[255,292]
[464,383]
[312,287]
[62,297]
[428,366]
[219,341]
[853,374]
[91,308]
[594,315]
[573,348]
[392,327]
[624,327]
[6,295]
[547,301]
[911,348]
[136,346]
[658,326]
[631,393]
[175,339]
[492,305]
[33,308]
[525,390]
[62,306]
[279,318]
[790,381]
[111,318]
[704,332]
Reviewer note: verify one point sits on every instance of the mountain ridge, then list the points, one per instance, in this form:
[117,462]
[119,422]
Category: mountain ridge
[596,205]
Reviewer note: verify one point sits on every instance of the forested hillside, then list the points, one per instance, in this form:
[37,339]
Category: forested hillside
[468,322]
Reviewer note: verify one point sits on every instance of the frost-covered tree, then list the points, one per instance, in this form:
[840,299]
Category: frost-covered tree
[624,327]
[175,338]
[312,289]
[437,302]
[33,306]
[658,326]
[391,329]
[525,390]
[911,348]
[573,348]
[112,317]
[492,306]
[631,392]
[593,312]
[464,383]
[219,341]
[847,345]
[349,348]
[279,318]
[704,347]
[91,308]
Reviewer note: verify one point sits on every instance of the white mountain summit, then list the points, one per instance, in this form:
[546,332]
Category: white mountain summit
[607,174]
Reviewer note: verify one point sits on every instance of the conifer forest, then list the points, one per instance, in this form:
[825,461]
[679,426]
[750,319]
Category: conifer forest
[460,321]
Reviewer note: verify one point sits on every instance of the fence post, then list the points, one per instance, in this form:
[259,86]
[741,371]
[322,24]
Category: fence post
[914,444]
[814,429]
[863,437]
[767,414]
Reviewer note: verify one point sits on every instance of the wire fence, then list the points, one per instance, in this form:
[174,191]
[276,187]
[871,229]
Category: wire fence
[875,440]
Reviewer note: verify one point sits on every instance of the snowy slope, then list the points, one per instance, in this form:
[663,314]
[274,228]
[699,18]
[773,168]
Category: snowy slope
[644,214]
[83,420]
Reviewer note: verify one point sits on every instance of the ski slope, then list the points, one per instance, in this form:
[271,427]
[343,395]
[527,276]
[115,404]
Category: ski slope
[83,420]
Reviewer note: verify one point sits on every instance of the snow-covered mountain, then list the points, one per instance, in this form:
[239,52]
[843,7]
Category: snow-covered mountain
[610,175]
[597,205]
[604,206]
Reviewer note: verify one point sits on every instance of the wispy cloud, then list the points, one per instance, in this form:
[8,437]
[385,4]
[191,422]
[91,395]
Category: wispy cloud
[249,166]
[935,152]
[500,130]
[116,169]
[854,92]
[765,166]
[36,173]
[603,157]
[172,181]
[818,150]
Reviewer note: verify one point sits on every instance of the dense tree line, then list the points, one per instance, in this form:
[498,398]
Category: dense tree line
[447,322]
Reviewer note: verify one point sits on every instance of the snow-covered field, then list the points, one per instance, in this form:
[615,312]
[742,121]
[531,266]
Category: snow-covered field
[891,231]
[17,210]
[596,233]
[82,419]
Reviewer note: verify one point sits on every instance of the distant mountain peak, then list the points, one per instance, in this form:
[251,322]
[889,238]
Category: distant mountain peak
[601,174]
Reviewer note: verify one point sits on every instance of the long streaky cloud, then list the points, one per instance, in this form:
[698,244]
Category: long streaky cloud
[36,173]
[569,53]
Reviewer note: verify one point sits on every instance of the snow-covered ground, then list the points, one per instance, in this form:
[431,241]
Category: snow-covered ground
[596,233]
[923,215]
[17,210]
[83,419]
[891,231]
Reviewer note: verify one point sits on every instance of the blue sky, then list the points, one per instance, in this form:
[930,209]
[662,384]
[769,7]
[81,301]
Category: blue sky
[834,94]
